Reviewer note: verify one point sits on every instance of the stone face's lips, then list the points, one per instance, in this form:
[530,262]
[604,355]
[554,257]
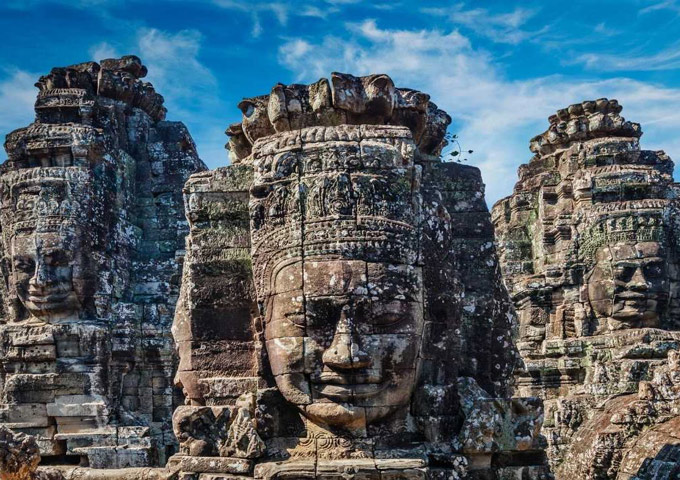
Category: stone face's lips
[50,298]
[353,378]
[624,301]
[347,392]
[339,387]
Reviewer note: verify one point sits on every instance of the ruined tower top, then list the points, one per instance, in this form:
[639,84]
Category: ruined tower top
[583,121]
[344,100]
[91,238]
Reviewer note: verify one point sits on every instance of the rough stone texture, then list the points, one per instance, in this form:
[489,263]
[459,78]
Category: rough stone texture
[19,455]
[92,237]
[341,312]
[588,244]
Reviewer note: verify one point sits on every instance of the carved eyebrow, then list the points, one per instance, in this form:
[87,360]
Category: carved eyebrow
[55,252]
[22,258]
[637,262]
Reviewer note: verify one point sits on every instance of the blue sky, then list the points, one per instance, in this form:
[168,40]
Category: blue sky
[499,68]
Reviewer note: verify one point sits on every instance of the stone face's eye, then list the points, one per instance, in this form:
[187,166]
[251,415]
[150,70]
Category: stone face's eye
[57,259]
[653,270]
[24,264]
[624,272]
[322,312]
[392,314]
[297,319]
[389,319]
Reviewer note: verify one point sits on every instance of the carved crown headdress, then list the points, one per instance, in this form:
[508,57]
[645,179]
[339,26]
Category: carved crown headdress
[624,227]
[346,192]
[49,199]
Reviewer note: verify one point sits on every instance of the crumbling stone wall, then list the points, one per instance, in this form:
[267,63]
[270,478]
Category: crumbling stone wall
[92,238]
[588,244]
[341,312]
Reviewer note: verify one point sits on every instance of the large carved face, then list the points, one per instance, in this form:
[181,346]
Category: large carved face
[628,286]
[42,266]
[343,338]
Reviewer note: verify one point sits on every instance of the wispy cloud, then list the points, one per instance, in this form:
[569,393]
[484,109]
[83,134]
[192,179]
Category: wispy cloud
[282,10]
[102,50]
[660,6]
[189,87]
[493,115]
[603,29]
[499,27]
[80,4]
[255,8]
[175,69]
[668,59]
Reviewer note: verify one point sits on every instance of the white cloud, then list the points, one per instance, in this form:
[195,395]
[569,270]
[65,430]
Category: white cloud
[280,11]
[603,29]
[660,6]
[284,9]
[81,4]
[175,70]
[102,51]
[17,96]
[493,116]
[256,31]
[312,11]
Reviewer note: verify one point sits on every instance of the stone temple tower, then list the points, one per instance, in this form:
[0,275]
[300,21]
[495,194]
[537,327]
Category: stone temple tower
[92,234]
[341,312]
[588,244]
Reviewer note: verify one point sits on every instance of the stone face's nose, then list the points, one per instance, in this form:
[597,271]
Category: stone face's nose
[41,276]
[344,352]
[339,354]
[638,282]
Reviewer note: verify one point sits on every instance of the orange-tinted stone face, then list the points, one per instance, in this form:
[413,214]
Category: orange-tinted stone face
[344,345]
[43,274]
[628,285]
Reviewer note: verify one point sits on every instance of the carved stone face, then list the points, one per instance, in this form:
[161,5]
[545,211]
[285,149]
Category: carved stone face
[42,266]
[343,338]
[628,286]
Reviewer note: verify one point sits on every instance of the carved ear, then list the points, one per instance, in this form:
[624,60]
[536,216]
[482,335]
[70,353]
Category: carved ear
[6,270]
[16,308]
[277,108]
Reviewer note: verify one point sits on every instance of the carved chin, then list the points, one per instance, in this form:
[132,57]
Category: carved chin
[52,304]
[635,310]
[343,415]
